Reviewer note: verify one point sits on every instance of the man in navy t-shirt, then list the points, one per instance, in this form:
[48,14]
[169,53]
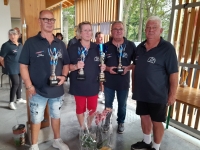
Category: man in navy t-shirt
[155,82]
[40,55]
[118,82]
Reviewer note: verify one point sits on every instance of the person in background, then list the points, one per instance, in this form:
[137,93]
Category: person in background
[36,69]
[20,35]
[99,40]
[116,82]
[74,39]
[9,56]
[155,80]
[59,36]
[85,91]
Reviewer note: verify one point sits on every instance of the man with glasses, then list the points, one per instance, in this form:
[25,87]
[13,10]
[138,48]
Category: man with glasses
[119,49]
[36,68]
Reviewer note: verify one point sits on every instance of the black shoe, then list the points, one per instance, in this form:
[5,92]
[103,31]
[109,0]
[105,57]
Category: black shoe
[106,126]
[152,149]
[120,128]
[141,145]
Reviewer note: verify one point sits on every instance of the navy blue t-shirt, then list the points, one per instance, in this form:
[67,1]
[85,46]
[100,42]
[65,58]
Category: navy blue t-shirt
[11,52]
[35,54]
[117,81]
[89,86]
[152,72]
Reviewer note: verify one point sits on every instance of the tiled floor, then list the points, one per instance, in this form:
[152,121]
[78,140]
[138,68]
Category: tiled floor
[70,127]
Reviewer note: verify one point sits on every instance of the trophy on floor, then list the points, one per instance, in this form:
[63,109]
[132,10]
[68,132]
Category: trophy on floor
[120,50]
[54,55]
[102,58]
[82,52]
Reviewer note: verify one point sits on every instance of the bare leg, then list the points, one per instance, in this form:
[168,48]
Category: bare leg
[158,131]
[146,124]
[56,127]
[35,128]
[90,118]
[80,119]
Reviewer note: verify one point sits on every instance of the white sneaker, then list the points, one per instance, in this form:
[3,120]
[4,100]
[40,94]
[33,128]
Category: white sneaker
[102,102]
[34,147]
[58,143]
[101,95]
[20,100]
[12,106]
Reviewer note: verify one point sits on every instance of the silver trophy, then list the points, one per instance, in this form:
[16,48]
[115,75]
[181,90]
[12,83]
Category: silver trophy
[102,58]
[54,55]
[82,53]
[120,49]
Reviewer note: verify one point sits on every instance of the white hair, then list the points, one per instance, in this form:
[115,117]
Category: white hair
[155,18]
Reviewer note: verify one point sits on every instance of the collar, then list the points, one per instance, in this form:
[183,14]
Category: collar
[125,41]
[13,43]
[92,45]
[41,38]
[161,41]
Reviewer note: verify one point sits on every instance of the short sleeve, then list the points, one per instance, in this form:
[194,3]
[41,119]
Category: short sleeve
[133,49]
[25,54]
[4,50]
[72,54]
[171,62]
[66,59]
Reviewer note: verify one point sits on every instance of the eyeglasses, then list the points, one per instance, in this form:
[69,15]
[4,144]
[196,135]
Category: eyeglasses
[47,20]
[120,29]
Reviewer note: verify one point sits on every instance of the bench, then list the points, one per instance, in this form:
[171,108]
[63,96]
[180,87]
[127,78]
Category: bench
[186,109]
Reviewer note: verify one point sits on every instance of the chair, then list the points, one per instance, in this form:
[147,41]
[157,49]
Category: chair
[4,72]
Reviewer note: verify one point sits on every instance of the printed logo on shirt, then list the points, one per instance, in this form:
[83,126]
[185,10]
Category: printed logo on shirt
[96,58]
[151,60]
[136,57]
[40,53]
[14,51]
[125,55]
[108,55]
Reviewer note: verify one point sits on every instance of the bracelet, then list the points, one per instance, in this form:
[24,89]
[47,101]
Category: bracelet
[64,76]
[29,87]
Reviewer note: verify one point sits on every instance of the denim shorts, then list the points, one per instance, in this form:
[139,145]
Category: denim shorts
[37,104]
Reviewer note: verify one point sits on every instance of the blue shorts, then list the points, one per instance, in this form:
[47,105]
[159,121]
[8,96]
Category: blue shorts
[37,105]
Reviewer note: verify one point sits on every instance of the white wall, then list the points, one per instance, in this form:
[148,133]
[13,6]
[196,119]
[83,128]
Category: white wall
[5,24]
[16,23]
[15,8]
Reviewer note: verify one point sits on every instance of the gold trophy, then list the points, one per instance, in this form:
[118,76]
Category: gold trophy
[102,58]
[120,49]
[54,55]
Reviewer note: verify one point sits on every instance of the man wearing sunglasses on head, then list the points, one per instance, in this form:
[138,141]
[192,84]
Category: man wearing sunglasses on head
[43,57]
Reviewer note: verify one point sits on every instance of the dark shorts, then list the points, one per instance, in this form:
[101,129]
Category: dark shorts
[156,111]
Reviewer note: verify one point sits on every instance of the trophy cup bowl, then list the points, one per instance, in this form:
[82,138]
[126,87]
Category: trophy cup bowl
[81,75]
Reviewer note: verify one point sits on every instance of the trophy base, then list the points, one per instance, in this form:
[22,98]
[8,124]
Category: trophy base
[80,77]
[102,80]
[120,70]
[54,82]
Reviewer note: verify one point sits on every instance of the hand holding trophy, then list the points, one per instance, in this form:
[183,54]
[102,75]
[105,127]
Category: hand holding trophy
[82,52]
[102,58]
[54,54]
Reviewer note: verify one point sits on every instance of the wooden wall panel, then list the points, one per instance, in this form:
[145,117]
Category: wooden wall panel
[30,12]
